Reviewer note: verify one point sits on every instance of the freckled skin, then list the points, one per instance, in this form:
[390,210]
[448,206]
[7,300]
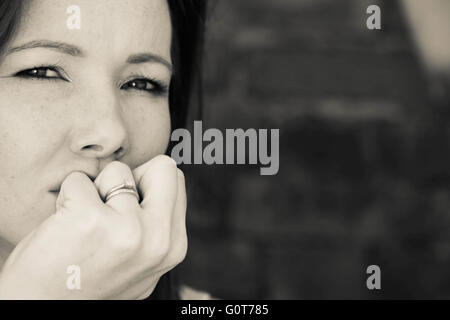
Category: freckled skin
[47,126]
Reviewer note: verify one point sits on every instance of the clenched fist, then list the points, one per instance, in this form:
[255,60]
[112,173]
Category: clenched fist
[122,247]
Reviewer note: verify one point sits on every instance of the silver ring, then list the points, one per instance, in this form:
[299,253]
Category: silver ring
[126,187]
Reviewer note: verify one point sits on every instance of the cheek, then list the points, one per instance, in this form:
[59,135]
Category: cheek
[27,141]
[28,131]
[149,132]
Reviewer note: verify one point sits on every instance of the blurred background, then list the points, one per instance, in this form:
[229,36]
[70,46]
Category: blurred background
[364,152]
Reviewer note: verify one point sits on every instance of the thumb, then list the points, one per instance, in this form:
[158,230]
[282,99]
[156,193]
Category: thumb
[78,193]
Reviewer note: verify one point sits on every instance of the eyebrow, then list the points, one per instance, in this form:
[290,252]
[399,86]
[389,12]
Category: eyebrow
[77,52]
[149,57]
[58,46]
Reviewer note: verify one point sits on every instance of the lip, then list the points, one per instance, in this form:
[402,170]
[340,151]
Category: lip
[55,191]
[56,187]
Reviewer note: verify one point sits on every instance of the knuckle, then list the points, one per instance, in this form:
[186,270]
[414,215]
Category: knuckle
[181,251]
[74,177]
[118,167]
[126,238]
[160,249]
[124,246]
[180,174]
[130,240]
[164,160]
[175,254]
[92,222]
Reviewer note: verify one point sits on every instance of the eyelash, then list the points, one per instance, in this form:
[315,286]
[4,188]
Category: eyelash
[158,89]
[25,73]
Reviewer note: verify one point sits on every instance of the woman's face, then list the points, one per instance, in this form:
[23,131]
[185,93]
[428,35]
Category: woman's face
[77,99]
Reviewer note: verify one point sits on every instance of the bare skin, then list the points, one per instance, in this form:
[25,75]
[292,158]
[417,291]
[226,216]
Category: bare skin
[72,128]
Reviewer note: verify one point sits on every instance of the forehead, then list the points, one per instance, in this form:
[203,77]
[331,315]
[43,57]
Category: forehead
[107,26]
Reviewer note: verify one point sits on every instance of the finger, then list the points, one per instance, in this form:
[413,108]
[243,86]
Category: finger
[178,243]
[145,285]
[178,239]
[78,192]
[157,181]
[113,175]
[157,175]
[140,171]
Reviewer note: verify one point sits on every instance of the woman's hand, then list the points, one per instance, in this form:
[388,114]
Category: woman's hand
[122,247]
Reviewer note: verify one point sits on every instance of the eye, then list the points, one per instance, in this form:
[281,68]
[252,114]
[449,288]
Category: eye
[143,84]
[41,73]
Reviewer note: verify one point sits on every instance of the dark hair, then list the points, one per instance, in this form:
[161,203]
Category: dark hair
[9,17]
[188,26]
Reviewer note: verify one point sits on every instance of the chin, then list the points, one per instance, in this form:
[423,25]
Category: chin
[20,222]
[47,207]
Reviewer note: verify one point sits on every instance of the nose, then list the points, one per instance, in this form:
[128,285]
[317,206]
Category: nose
[100,131]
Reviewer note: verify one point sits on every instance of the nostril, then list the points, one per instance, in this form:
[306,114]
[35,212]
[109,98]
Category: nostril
[94,147]
[119,152]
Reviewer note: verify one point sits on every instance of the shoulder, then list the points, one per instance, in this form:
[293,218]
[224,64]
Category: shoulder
[188,293]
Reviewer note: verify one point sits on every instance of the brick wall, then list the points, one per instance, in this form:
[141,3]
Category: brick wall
[364,175]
